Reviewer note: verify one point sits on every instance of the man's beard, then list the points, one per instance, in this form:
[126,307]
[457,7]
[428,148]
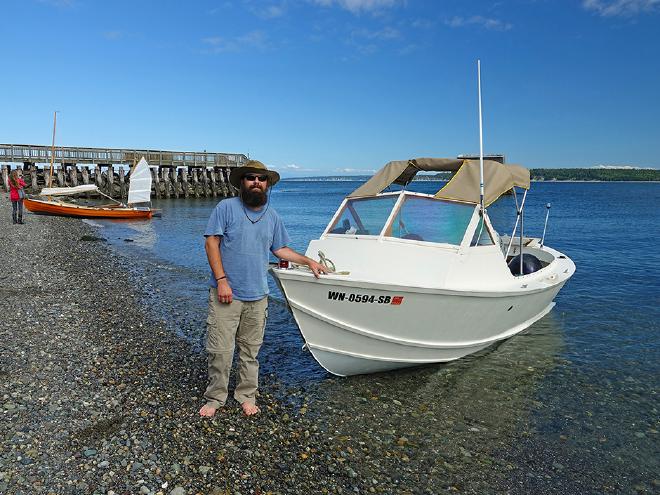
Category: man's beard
[253,197]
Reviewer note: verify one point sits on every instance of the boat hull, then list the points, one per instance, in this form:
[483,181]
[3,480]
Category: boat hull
[69,210]
[356,328]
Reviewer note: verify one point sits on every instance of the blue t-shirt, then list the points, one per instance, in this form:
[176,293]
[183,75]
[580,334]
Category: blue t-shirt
[245,246]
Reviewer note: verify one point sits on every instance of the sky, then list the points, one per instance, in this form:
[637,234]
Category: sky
[325,87]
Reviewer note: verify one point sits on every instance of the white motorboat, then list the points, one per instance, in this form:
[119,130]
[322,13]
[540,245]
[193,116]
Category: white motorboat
[422,278]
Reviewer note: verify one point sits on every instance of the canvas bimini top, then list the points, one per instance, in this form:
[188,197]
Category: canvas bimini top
[463,186]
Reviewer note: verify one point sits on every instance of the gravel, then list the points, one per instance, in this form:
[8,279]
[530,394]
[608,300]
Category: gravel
[99,397]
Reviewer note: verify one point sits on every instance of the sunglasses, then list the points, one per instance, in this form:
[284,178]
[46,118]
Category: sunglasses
[252,178]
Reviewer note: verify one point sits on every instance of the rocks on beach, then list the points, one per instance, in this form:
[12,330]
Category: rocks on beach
[99,397]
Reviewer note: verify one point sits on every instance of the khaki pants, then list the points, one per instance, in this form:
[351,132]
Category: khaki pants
[243,323]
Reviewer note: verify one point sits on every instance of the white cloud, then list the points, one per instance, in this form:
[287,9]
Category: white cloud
[60,3]
[113,35]
[367,41]
[620,8]
[292,168]
[409,48]
[423,24]
[477,20]
[271,11]
[253,39]
[219,8]
[358,6]
[358,171]
[386,33]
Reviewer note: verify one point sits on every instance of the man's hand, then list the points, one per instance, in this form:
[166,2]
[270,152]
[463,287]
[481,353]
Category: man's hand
[225,294]
[317,268]
[289,254]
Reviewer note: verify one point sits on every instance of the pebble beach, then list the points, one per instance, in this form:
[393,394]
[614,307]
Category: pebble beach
[98,396]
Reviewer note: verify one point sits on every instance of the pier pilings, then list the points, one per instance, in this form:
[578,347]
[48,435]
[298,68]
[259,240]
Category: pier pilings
[113,180]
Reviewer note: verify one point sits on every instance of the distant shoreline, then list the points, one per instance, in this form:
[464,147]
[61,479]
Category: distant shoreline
[536,175]
[365,178]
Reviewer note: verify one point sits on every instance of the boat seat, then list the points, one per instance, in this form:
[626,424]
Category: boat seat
[414,237]
[341,229]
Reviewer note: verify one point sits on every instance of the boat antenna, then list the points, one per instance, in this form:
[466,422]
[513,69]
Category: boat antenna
[482,210]
[52,151]
[481,143]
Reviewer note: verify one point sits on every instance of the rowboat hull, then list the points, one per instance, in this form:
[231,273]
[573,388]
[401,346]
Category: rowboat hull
[70,210]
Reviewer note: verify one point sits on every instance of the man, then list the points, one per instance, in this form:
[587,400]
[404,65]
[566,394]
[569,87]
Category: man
[240,233]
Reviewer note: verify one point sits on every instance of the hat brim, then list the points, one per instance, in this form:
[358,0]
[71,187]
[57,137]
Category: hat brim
[237,174]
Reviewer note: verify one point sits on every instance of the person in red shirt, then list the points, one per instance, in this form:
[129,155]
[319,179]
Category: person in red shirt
[16,195]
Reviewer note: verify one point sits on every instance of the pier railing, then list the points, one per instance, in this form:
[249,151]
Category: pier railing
[30,153]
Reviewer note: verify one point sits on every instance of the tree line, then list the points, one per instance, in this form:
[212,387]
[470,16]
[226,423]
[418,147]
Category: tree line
[577,174]
[601,174]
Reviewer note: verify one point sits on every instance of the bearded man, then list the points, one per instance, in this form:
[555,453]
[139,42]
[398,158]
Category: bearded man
[239,236]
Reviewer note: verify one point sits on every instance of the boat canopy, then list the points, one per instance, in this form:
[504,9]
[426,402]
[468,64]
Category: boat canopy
[463,186]
[68,191]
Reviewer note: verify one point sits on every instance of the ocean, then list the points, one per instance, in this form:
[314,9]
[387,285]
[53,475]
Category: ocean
[576,395]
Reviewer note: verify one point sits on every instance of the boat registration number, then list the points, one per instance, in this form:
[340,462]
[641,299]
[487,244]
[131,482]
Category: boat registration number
[364,298]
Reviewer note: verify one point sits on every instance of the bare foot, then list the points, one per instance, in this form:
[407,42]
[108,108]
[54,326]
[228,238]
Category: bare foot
[207,411]
[249,409]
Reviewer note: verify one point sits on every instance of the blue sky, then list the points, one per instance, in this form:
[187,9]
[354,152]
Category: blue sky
[316,87]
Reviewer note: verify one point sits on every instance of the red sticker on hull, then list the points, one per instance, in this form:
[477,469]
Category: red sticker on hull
[396,300]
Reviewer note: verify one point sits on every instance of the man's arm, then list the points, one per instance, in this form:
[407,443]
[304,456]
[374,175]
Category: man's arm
[212,246]
[286,253]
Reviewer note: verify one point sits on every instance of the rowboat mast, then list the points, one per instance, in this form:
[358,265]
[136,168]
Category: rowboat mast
[52,151]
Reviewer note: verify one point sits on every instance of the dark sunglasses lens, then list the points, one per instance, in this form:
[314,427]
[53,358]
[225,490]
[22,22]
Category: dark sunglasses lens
[262,178]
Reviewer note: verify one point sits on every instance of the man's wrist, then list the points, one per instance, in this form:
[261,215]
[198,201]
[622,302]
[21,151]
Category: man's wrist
[221,278]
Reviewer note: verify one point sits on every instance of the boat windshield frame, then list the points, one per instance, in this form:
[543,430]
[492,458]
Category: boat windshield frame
[466,240]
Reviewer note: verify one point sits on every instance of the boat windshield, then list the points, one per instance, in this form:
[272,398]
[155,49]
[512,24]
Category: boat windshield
[482,235]
[418,218]
[364,216]
[431,220]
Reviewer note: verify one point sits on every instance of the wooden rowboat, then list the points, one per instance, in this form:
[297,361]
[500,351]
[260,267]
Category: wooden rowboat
[139,195]
[137,207]
[59,208]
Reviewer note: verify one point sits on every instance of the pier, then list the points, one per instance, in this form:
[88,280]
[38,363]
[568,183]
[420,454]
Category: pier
[175,173]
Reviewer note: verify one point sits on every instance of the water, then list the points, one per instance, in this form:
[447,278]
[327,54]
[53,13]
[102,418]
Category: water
[575,398]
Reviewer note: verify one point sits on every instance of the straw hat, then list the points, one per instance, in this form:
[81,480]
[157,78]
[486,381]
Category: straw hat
[252,167]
